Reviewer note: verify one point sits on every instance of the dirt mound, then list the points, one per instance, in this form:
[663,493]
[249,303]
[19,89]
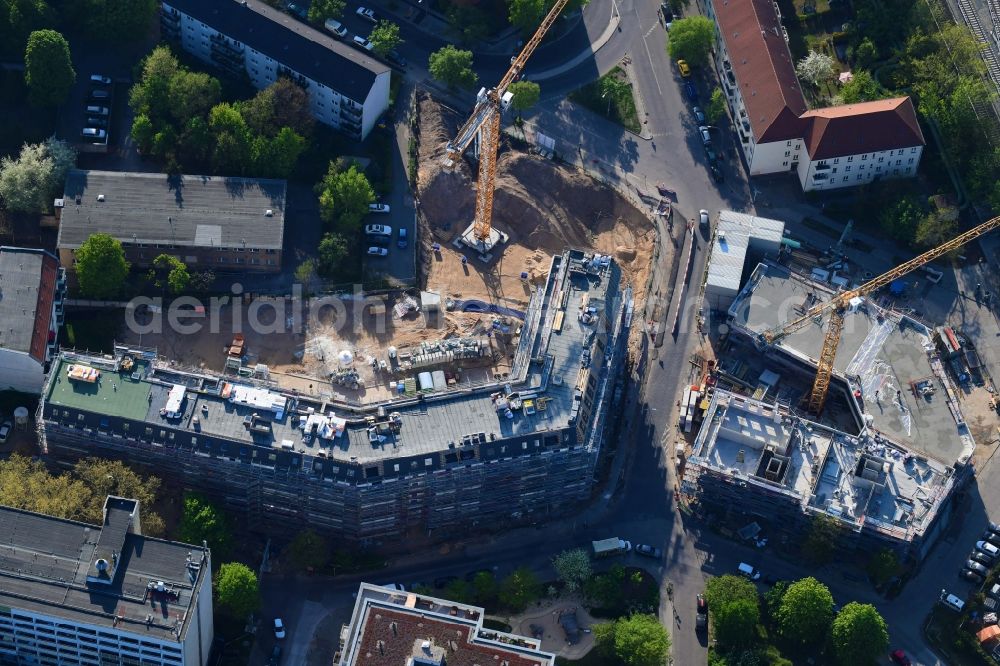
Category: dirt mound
[545,207]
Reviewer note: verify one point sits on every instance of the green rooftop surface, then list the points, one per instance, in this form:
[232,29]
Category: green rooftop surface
[114,394]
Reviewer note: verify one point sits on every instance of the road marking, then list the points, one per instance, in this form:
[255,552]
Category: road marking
[652,67]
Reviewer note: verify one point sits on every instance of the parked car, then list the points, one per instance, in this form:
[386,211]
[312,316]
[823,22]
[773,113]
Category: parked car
[648,551]
[396,58]
[706,138]
[988,548]
[279,628]
[713,159]
[100,79]
[378,208]
[971,576]
[691,91]
[398,587]
[994,591]
[684,68]
[701,613]
[748,571]
[366,14]
[94,121]
[717,174]
[296,10]
[378,230]
[375,251]
[93,133]
[275,657]
[362,42]
[667,14]
[991,537]
[703,217]
[952,602]
[977,567]
[96,110]
[981,557]
[100,95]
[4,432]
[335,27]
[401,243]
[699,115]
[899,658]
[993,527]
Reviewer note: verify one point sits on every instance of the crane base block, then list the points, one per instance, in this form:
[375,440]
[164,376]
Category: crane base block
[483,248]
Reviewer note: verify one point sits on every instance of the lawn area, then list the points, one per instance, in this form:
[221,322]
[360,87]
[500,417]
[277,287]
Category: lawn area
[622,591]
[618,105]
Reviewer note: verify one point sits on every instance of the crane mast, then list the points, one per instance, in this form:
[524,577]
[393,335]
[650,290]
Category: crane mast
[485,123]
[835,308]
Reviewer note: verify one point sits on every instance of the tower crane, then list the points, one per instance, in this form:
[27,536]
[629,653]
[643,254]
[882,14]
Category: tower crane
[485,123]
[835,308]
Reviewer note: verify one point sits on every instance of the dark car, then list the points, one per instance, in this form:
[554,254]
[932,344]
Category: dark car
[648,551]
[298,10]
[443,581]
[717,175]
[94,121]
[691,91]
[992,537]
[899,657]
[971,576]
[993,527]
[275,657]
[396,58]
[982,558]
[667,14]
[100,95]
[977,567]
[701,613]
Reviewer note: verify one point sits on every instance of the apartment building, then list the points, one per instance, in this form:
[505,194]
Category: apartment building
[517,449]
[777,133]
[32,290]
[101,595]
[348,89]
[398,628]
[208,222]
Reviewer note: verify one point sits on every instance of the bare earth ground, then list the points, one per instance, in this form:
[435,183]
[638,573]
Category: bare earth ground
[554,639]
[544,207]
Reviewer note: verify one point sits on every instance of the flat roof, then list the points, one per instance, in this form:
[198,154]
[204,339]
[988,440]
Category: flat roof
[735,235]
[886,351]
[27,290]
[546,400]
[182,211]
[390,627]
[291,42]
[50,566]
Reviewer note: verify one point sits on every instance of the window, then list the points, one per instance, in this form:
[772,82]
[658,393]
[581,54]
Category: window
[797,146]
[845,178]
[836,160]
[859,177]
[898,162]
[848,168]
[881,159]
[785,163]
[850,159]
[910,161]
[913,150]
[788,143]
[79,417]
[788,153]
[865,156]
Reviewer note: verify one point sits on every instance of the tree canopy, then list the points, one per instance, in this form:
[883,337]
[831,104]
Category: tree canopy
[860,635]
[806,611]
[526,94]
[732,602]
[321,10]
[308,551]
[691,39]
[333,250]
[385,37]
[452,67]
[816,68]
[48,69]
[344,195]
[821,540]
[237,589]
[100,267]
[862,88]
[170,274]
[519,589]
[30,183]
[573,568]
[637,640]
[202,520]
[716,109]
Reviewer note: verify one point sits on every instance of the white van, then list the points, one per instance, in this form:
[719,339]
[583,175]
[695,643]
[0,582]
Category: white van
[336,27]
[748,571]
[952,602]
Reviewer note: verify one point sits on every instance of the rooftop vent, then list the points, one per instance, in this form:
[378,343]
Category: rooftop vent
[269,213]
[101,565]
[100,197]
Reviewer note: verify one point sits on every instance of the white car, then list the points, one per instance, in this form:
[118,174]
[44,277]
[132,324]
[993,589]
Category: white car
[100,79]
[952,602]
[362,42]
[703,217]
[366,14]
[374,251]
[4,432]
[336,27]
[279,628]
[97,110]
[378,230]
[378,208]
[988,548]
[93,133]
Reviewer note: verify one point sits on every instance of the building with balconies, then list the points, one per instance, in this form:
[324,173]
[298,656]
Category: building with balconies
[348,89]
[32,291]
[828,148]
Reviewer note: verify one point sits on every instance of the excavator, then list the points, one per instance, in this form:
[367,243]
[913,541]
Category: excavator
[836,307]
[484,124]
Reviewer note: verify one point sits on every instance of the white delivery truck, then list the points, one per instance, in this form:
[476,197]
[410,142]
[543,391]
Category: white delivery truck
[611,546]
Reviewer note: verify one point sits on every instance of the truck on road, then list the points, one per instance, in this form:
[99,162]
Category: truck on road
[611,546]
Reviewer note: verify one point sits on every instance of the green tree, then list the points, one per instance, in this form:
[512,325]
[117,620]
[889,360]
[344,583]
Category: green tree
[282,104]
[237,589]
[457,590]
[485,588]
[192,94]
[470,22]
[305,272]
[607,590]
[865,54]
[637,640]
[30,183]
[202,520]
[143,132]
[170,274]
[308,551]
[806,611]
[816,68]
[321,10]
[113,477]
[48,69]
[935,228]
[233,141]
[332,253]
[519,589]
[691,39]
[733,604]
[100,266]
[860,635]
[678,6]
[525,95]
[277,157]
[452,67]
[130,19]
[385,37]
[898,220]
[344,195]
[773,598]
[151,95]
[716,109]
[525,15]
[573,568]
[27,484]
[821,541]
[862,88]
[883,566]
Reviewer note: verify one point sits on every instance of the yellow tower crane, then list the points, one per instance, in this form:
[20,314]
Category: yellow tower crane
[485,123]
[835,308]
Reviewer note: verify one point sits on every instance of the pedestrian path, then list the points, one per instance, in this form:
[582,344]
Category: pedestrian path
[581,57]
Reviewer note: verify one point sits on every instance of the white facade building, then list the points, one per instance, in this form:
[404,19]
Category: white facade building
[348,89]
[102,595]
[776,131]
[32,289]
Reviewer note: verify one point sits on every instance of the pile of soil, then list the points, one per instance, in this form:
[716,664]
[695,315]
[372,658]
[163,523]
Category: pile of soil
[546,208]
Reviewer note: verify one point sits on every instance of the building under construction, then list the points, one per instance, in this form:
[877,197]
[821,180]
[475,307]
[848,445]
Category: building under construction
[519,450]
